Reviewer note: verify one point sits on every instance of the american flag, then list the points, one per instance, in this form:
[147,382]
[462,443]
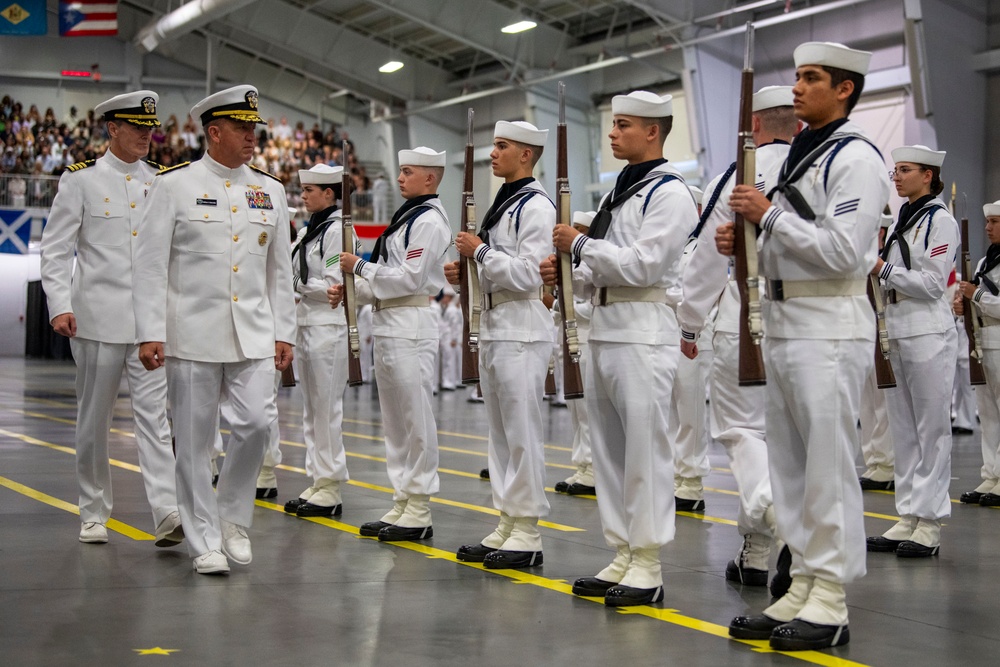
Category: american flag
[88,18]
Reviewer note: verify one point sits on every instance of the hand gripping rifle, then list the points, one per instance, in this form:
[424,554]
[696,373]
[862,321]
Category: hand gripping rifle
[350,299]
[751,365]
[470,297]
[969,314]
[572,381]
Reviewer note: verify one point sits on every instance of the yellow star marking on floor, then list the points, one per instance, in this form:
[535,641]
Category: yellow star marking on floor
[156,651]
[672,616]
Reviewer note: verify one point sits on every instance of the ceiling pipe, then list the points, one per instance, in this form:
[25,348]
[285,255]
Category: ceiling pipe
[184,19]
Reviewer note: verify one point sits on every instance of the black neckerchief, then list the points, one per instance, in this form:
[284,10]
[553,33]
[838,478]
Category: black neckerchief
[399,218]
[629,181]
[992,261]
[318,222]
[500,204]
[806,142]
[909,214]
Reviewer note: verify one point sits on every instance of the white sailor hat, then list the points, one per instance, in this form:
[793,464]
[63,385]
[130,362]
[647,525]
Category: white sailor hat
[321,174]
[886,220]
[697,193]
[138,108]
[238,103]
[521,132]
[422,157]
[770,97]
[583,218]
[918,155]
[643,104]
[991,210]
[832,54]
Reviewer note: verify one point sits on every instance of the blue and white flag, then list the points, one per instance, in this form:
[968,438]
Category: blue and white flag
[23,17]
[15,231]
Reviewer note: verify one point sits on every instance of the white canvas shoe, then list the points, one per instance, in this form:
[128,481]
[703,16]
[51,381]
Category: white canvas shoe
[213,562]
[92,532]
[235,543]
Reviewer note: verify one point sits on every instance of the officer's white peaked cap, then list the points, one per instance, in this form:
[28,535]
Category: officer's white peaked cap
[643,104]
[138,108]
[238,103]
[422,157]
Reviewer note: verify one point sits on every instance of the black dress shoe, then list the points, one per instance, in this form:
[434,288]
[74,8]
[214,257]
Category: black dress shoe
[960,430]
[592,587]
[484,473]
[394,533]
[782,579]
[971,497]
[511,560]
[686,505]
[802,635]
[473,553]
[581,490]
[911,549]
[561,487]
[372,528]
[293,505]
[747,576]
[308,509]
[871,485]
[882,544]
[990,500]
[627,596]
[267,493]
[753,627]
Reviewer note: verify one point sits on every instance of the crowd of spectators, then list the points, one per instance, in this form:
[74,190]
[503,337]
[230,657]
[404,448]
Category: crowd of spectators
[37,145]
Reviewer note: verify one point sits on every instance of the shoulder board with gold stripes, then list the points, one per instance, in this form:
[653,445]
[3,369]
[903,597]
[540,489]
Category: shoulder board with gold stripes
[167,170]
[81,165]
[261,171]
[158,167]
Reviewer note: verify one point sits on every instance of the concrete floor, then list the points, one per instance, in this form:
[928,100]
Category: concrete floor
[318,594]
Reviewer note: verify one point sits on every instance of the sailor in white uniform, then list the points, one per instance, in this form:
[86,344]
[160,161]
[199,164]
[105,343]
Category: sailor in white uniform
[515,344]
[627,262]
[95,217]
[214,304]
[819,243]
[405,271]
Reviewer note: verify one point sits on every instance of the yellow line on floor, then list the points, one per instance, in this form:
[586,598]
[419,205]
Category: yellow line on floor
[113,524]
[672,616]
[60,448]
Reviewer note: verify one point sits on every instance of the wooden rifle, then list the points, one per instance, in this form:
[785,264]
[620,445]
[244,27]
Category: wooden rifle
[572,380]
[969,314]
[470,298]
[884,376]
[350,297]
[751,364]
[288,377]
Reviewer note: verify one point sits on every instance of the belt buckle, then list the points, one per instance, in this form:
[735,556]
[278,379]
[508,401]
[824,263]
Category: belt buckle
[777,289]
[487,301]
[602,296]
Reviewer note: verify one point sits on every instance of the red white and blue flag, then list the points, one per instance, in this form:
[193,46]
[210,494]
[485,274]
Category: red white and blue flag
[88,18]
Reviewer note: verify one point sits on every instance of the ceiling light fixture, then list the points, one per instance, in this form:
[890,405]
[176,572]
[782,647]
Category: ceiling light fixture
[520,26]
[391,66]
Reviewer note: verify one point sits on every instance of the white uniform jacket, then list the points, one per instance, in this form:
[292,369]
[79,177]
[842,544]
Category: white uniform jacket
[323,261]
[415,266]
[847,196]
[933,243]
[988,305]
[519,243]
[642,249]
[96,214]
[213,277]
[707,278]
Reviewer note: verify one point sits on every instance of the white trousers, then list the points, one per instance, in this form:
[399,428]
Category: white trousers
[322,353]
[876,440]
[988,399]
[920,421]
[99,369]
[195,390]
[813,396]
[687,414]
[405,370]
[512,376]
[272,455]
[628,398]
[963,398]
[449,364]
[578,413]
[737,421]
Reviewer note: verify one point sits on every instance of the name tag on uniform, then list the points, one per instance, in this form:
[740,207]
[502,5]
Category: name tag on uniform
[206,202]
[259,199]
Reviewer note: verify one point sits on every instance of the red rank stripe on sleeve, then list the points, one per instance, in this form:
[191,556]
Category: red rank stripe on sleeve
[940,250]
[413,254]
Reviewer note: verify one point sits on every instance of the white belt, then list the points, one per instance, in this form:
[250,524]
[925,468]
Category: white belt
[779,290]
[416,301]
[493,299]
[608,295]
